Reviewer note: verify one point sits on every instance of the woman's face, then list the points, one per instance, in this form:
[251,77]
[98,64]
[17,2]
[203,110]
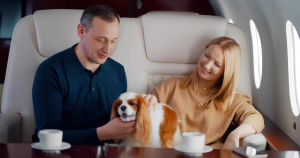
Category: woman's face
[211,63]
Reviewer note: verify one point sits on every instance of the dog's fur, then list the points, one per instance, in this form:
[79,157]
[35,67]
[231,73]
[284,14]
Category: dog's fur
[159,128]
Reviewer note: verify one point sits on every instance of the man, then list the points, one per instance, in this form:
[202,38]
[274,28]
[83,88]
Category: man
[74,90]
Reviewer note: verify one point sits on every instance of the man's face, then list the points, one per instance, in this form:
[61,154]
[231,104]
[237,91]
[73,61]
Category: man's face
[100,40]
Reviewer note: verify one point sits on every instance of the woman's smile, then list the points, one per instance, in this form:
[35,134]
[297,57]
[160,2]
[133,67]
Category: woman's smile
[204,71]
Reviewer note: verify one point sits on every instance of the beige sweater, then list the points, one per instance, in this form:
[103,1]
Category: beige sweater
[210,121]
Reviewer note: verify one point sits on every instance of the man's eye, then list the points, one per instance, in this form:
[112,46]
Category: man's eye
[131,103]
[101,40]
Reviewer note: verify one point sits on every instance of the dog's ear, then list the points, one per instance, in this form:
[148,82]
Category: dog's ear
[114,109]
[114,113]
[143,122]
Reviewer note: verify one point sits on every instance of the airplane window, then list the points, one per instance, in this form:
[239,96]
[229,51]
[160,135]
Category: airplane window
[230,21]
[257,54]
[293,48]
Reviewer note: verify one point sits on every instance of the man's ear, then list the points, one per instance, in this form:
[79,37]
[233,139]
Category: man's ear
[80,30]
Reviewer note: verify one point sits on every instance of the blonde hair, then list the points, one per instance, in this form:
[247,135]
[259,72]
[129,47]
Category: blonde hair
[224,96]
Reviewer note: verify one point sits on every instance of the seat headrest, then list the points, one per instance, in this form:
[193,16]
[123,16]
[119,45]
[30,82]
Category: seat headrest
[56,30]
[179,38]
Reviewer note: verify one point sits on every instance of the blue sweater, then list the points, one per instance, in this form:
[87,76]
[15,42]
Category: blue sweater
[69,97]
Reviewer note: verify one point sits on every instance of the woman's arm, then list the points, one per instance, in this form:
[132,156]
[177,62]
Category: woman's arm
[157,96]
[248,119]
[234,137]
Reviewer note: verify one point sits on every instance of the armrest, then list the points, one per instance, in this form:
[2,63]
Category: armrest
[257,141]
[10,127]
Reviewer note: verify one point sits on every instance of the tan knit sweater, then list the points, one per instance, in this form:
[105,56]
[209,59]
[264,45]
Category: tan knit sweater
[210,121]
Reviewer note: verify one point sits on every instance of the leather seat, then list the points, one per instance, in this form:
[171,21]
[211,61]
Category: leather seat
[152,48]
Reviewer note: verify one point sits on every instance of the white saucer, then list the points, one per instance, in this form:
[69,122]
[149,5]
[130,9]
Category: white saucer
[193,152]
[64,145]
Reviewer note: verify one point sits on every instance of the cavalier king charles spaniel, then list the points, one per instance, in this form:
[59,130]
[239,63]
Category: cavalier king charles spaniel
[159,128]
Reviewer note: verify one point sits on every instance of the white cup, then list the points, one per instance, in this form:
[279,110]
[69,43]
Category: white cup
[50,138]
[193,140]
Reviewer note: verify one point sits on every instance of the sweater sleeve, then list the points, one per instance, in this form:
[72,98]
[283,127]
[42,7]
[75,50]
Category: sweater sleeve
[47,103]
[246,113]
[158,94]
[164,91]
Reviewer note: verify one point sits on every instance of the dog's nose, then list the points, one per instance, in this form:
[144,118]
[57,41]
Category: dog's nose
[123,108]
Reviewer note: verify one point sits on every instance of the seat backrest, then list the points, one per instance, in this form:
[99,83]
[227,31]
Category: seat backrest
[152,48]
[168,44]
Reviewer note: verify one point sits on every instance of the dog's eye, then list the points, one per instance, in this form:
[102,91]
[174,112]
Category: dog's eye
[131,103]
[119,103]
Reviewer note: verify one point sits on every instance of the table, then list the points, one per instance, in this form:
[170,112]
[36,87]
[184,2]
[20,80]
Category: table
[15,150]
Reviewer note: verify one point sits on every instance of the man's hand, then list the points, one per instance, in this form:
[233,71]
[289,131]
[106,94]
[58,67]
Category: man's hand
[115,129]
[151,101]
[232,141]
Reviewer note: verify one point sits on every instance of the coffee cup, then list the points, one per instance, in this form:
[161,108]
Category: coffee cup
[50,138]
[193,140]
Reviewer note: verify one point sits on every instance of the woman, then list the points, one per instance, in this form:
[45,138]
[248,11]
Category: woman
[207,100]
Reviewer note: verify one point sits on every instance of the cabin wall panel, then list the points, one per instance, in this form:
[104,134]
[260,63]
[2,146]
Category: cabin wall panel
[129,8]
[201,7]
[270,16]
[121,6]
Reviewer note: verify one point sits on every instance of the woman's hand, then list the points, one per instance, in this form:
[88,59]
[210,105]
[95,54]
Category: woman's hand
[151,101]
[232,141]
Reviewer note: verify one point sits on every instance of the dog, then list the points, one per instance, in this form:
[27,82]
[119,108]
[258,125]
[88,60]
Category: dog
[159,128]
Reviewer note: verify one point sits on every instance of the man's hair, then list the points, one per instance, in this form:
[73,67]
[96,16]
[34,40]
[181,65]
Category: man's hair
[101,11]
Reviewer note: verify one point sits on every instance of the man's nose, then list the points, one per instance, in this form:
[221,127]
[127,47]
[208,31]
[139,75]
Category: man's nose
[123,108]
[106,48]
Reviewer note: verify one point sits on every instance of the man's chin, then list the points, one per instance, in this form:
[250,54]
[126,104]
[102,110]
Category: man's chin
[101,61]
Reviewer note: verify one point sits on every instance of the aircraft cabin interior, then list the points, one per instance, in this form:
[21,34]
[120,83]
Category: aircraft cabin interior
[157,41]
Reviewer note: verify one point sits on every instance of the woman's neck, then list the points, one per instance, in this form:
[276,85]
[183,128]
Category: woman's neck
[207,84]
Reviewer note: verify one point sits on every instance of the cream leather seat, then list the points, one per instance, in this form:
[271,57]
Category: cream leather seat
[152,48]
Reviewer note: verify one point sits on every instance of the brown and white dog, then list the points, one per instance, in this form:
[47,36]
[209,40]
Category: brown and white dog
[159,128]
